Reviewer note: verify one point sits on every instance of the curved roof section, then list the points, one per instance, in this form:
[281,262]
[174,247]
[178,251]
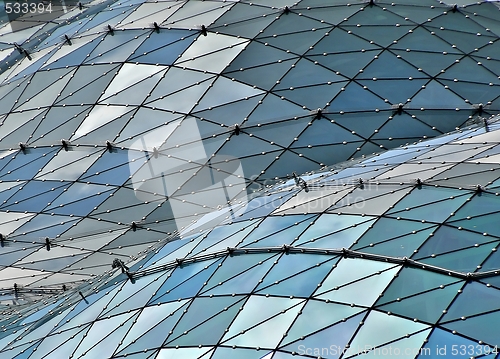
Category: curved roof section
[108,110]
[364,260]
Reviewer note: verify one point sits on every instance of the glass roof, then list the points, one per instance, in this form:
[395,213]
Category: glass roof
[209,179]
[295,262]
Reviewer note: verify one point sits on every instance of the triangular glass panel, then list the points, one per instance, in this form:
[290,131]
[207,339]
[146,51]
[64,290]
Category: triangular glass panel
[466,42]
[149,318]
[426,307]
[473,92]
[337,337]
[334,12]
[244,20]
[153,337]
[317,315]
[388,66]
[201,309]
[351,270]
[422,40]
[374,15]
[447,239]
[224,91]
[288,41]
[204,333]
[185,281]
[340,239]
[180,101]
[130,95]
[142,14]
[222,50]
[466,260]
[347,64]
[284,236]
[275,328]
[475,298]
[356,98]
[395,91]
[258,310]
[380,328]
[435,212]
[48,95]
[481,327]
[104,335]
[302,284]
[379,34]
[436,96]
[479,74]
[121,44]
[263,76]
[404,246]
[229,113]
[313,97]
[401,346]
[353,293]
[442,342]
[244,282]
[75,57]
[431,63]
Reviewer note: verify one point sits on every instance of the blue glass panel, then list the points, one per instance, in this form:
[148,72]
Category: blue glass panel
[475,298]
[427,307]
[87,304]
[330,223]
[79,206]
[291,264]
[170,248]
[234,265]
[42,226]
[285,236]
[204,334]
[355,97]
[317,315]
[302,284]
[164,48]
[465,260]
[241,353]
[36,203]
[154,337]
[411,281]
[423,196]
[492,262]
[329,342]
[75,57]
[242,283]
[386,228]
[202,309]
[26,166]
[225,236]
[185,281]
[25,350]
[447,239]
[400,247]
[484,224]
[273,225]
[132,295]
[340,239]
[482,326]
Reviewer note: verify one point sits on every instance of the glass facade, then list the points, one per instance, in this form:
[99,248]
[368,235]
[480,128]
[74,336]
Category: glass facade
[266,179]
